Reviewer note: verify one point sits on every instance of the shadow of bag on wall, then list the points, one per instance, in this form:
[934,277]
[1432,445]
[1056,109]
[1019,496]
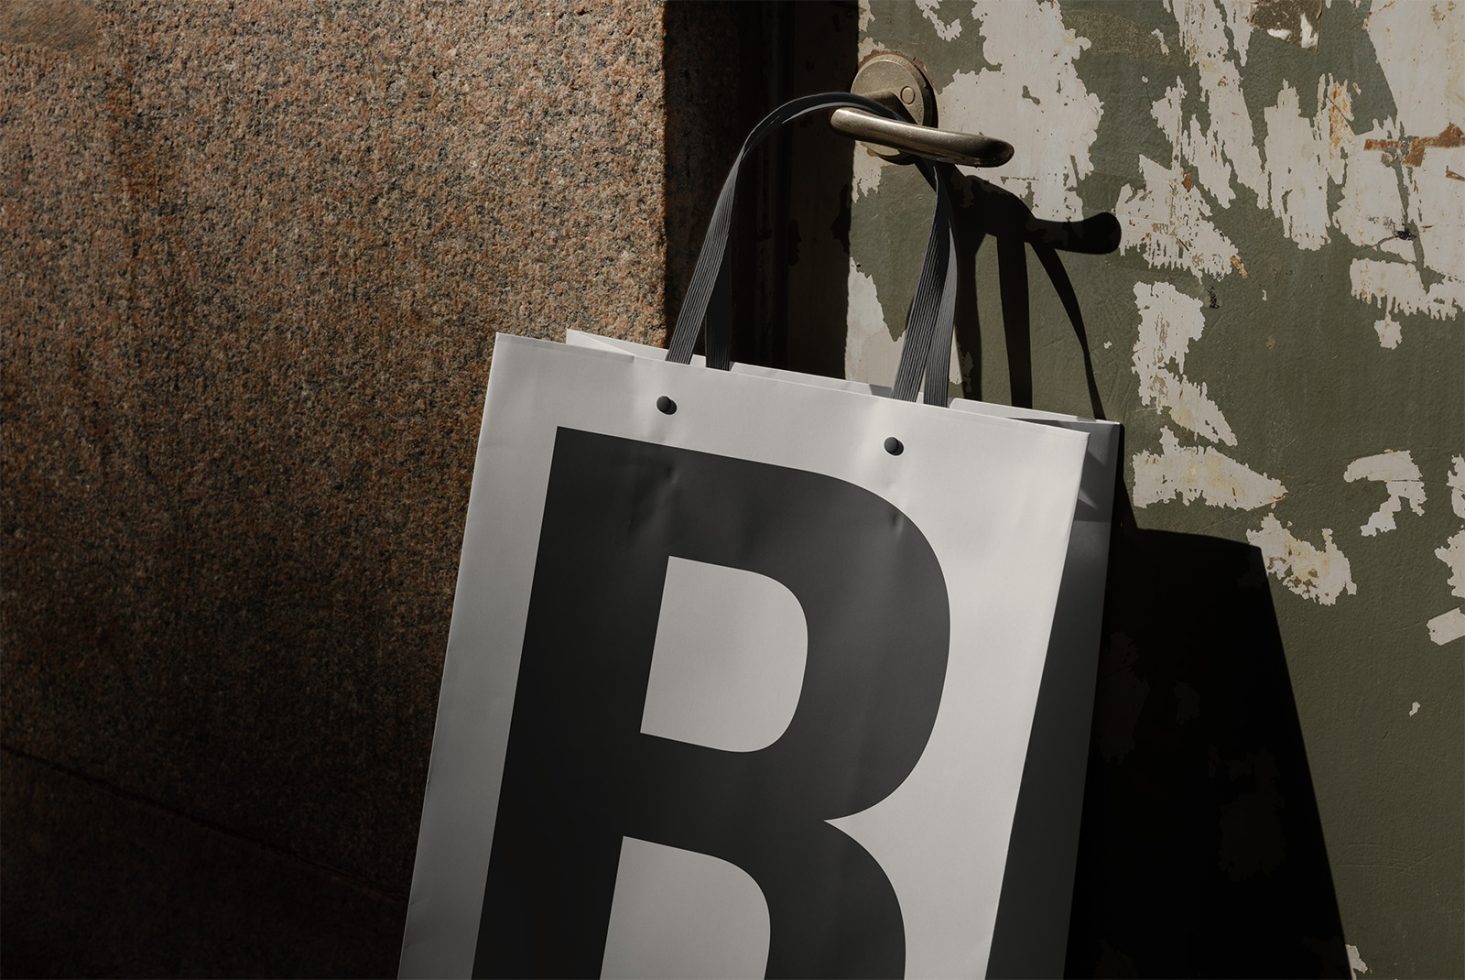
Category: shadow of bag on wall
[1201,850]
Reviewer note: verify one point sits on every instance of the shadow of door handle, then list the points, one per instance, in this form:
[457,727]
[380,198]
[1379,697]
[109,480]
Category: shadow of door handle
[945,145]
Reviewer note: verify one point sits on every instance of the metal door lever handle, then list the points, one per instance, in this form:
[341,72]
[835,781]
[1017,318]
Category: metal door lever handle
[898,83]
[968,149]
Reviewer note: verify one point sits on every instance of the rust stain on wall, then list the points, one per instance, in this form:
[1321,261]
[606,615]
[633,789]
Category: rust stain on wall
[1414,146]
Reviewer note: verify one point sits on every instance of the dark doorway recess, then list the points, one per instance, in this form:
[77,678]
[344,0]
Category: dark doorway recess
[726,65]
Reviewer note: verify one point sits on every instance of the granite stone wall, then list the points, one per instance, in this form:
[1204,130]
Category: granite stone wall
[252,259]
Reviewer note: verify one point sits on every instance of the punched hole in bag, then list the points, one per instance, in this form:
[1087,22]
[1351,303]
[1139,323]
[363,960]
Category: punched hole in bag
[893,446]
[666,406]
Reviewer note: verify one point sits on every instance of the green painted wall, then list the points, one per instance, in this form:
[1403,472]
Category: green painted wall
[1280,328]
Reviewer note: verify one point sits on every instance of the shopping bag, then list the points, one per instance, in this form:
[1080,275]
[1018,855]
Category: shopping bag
[1031,929]
[740,673]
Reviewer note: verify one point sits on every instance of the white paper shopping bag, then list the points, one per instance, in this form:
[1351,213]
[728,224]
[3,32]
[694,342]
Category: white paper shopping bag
[741,672]
[1031,934]
[874,825]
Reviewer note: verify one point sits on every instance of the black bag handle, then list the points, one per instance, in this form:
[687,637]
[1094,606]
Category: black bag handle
[931,311]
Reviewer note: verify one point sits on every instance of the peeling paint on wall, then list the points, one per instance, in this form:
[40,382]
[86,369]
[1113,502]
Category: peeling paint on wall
[1395,200]
[1449,626]
[870,351]
[1168,322]
[1200,473]
[1321,574]
[1356,966]
[1169,223]
[945,31]
[1370,211]
[1453,555]
[1285,305]
[1398,287]
[1033,75]
[1297,151]
[1415,43]
[1401,480]
[1227,146]
[866,173]
[1455,480]
[1293,21]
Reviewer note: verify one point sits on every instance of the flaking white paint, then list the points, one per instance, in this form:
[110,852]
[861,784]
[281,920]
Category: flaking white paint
[1237,14]
[1389,331]
[865,172]
[1409,208]
[1168,321]
[1455,480]
[1447,627]
[1412,210]
[1306,33]
[870,353]
[1320,574]
[868,44]
[1168,111]
[1402,482]
[1356,966]
[1416,42]
[1309,33]
[1189,144]
[1031,87]
[1437,209]
[1170,225]
[945,31]
[1420,47]
[1452,553]
[1193,473]
[1229,140]
[1297,161]
[1370,208]
[1397,287]
[1301,154]
[1305,161]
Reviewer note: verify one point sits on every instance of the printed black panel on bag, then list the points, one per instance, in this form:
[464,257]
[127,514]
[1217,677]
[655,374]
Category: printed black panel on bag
[579,773]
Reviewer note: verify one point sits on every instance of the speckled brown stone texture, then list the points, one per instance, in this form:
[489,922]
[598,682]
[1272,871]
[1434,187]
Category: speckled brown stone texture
[252,260]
